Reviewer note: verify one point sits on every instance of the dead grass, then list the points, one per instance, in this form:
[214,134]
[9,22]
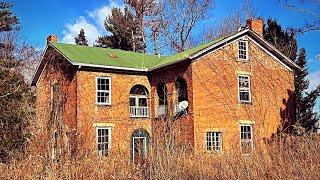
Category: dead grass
[285,158]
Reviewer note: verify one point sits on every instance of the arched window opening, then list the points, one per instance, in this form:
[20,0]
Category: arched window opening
[162,99]
[139,106]
[182,93]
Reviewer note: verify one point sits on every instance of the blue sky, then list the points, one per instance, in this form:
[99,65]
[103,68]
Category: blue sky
[39,18]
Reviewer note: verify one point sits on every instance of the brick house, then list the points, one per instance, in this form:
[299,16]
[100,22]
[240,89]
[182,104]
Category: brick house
[239,92]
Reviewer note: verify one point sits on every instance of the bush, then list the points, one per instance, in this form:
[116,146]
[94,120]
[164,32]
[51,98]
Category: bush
[288,157]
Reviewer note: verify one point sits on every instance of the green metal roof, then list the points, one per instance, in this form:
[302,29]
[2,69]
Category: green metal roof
[97,56]
[105,56]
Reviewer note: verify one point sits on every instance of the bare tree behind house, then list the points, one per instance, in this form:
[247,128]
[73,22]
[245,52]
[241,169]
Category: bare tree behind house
[310,8]
[142,10]
[179,18]
[230,24]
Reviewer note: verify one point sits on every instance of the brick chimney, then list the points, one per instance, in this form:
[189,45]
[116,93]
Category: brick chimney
[52,38]
[256,25]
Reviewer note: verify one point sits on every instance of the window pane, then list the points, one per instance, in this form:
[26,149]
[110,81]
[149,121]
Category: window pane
[132,101]
[243,82]
[214,141]
[143,102]
[244,96]
[103,140]
[243,49]
[103,87]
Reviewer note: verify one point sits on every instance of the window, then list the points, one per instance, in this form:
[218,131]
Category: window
[214,141]
[103,135]
[182,94]
[104,90]
[246,138]
[243,50]
[139,145]
[139,101]
[244,88]
[162,100]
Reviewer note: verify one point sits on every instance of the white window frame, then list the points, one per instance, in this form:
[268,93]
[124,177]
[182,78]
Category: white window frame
[108,91]
[244,89]
[144,146]
[251,137]
[109,139]
[136,98]
[214,134]
[246,51]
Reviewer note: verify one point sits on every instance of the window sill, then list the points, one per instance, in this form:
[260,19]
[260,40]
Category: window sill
[214,152]
[133,117]
[243,61]
[245,102]
[98,104]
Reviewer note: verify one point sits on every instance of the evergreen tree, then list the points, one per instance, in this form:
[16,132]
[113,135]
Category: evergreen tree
[81,38]
[8,20]
[305,102]
[286,42]
[16,97]
[121,26]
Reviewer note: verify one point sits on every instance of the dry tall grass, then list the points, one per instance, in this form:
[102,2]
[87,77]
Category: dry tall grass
[285,158]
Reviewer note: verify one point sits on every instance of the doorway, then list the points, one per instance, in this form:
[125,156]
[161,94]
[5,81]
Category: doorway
[140,138]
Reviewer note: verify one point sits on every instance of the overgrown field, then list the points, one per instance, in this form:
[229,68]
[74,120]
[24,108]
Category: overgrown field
[284,158]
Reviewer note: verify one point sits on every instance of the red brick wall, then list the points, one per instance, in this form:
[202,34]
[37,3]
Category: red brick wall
[183,126]
[215,95]
[60,72]
[117,115]
[212,94]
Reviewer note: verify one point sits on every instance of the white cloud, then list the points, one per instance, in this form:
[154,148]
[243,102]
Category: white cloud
[100,14]
[314,78]
[92,23]
[72,30]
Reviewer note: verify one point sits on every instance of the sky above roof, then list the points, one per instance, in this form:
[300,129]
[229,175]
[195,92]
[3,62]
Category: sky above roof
[39,18]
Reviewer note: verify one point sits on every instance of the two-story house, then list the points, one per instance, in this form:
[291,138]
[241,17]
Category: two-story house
[236,91]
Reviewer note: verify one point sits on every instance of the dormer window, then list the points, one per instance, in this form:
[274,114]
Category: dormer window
[243,50]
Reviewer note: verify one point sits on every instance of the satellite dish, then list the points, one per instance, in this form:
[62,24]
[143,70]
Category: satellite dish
[183,105]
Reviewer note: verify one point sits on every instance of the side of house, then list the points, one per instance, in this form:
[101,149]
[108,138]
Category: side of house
[240,101]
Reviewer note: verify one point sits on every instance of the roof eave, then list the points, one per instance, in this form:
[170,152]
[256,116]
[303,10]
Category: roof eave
[199,53]
[36,74]
[111,67]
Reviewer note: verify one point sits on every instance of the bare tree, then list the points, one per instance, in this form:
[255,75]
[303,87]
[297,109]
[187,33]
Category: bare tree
[231,23]
[312,10]
[178,19]
[142,10]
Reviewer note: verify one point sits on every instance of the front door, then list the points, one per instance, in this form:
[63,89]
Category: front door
[139,149]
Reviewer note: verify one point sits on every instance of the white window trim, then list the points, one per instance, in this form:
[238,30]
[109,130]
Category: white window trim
[249,79]
[109,137]
[137,97]
[251,139]
[110,90]
[145,146]
[221,141]
[247,51]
